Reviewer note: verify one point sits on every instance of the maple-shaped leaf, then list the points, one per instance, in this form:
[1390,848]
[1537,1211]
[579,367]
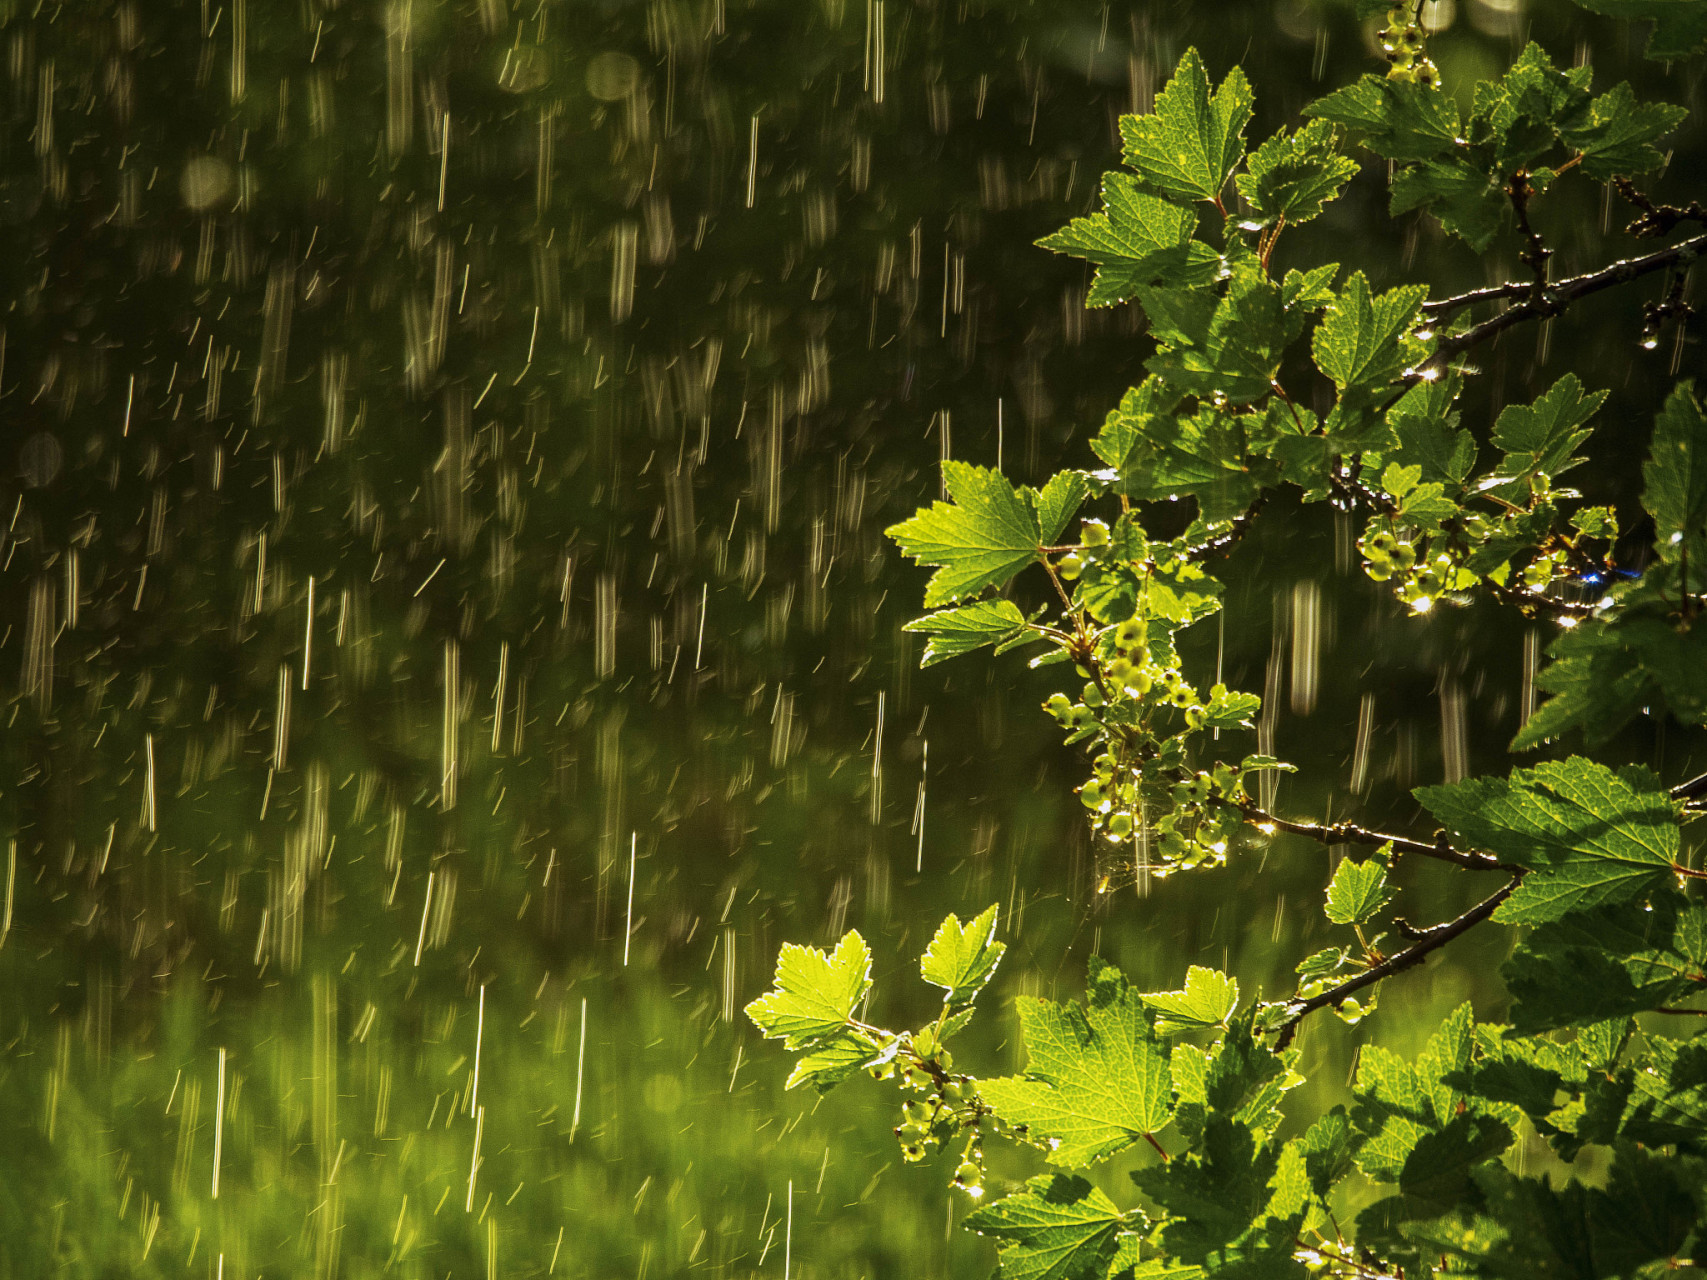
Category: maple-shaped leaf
[1675,475]
[988,534]
[1186,149]
[1138,239]
[1358,891]
[1680,26]
[967,627]
[1207,1000]
[1291,176]
[1392,118]
[1539,438]
[1358,343]
[1619,134]
[1058,1228]
[1469,202]
[816,993]
[962,958]
[1096,1076]
[1587,835]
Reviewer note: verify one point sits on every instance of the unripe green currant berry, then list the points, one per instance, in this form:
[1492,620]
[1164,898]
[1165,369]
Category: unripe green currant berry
[1129,633]
[1195,717]
[1182,696]
[1120,826]
[1091,796]
[969,1175]
[1090,695]
[1404,555]
[1121,671]
[1059,705]
[1070,565]
[1094,533]
[1379,572]
[1380,541]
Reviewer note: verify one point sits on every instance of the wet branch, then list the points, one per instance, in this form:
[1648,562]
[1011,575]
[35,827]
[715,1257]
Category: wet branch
[1427,940]
[1351,833]
[1221,543]
[1553,299]
[1694,789]
[1657,219]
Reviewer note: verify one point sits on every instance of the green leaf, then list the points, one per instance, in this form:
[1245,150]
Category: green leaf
[1058,1228]
[1057,501]
[1358,891]
[816,993]
[1393,119]
[1538,439]
[1208,1000]
[1138,239]
[1096,1076]
[1229,347]
[1306,291]
[1470,203]
[991,535]
[1426,424]
[1128,429]
[1607,670]
[962,958]
[1358,341]
[1607,963]
[1680,26]
[1186,149]
[847,1054]
[1675,475]
[1618,137]
[961,630]
[1438,1166]
[1520,115]
[1292,176]
[1588,835]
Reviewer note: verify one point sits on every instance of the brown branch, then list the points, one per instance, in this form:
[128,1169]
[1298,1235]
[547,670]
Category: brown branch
[1657,219]
[1694,789]
[1531,601]
[1428,940]
[1536,253]
[1221,543]
[1555,298]
[1446,306]
[1351,833]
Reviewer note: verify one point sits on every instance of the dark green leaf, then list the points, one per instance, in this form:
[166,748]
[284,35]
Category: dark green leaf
[1058,1228]
[1138,239]
[1470,203]
[1186,149]
[1057,501]
[1675,475]
[1680,26]
[1618,137]
[1291,176]
[1392,118]
[1358,341]
[1587,834]
[1538,439]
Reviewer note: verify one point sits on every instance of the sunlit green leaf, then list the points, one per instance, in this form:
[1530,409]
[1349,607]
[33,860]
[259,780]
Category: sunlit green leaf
[1187,148]
[962,958]
[983,541]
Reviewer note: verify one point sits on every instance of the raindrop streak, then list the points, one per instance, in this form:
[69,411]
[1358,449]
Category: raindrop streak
[580,1075]
[308,635]
[148,810]
[426,908]
[919,809]
[628,925]
[474,1163]
[219,1124]
[877,765]
[479,1033]
[11,883]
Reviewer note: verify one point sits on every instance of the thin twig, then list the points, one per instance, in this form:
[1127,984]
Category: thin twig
[1351,833]
[1237,528]
[1428,940]
[1694,789]
[1555,298]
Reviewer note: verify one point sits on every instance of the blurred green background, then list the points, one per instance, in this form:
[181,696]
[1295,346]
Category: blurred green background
[449,641]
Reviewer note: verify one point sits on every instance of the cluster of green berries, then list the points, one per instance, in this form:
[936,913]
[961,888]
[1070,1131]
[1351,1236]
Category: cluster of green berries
[1402,41]
[1093,535]
[947,1103]
[1422,579]
[1544,568]
[1191,828]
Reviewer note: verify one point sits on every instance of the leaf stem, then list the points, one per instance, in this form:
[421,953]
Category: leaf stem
[1428,940]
